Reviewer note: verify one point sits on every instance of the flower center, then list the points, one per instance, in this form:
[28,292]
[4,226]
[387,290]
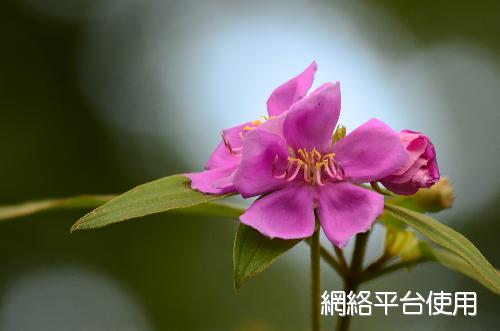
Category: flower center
[315,167]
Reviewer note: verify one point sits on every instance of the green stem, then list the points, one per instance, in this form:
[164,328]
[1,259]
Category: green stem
[315,281]
[353,278]
[343,322]
[330,260]
[340,255]
[359,253]
[378,264]
[392,268]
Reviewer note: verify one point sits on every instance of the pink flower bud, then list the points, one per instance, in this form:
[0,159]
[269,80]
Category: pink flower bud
[421,170]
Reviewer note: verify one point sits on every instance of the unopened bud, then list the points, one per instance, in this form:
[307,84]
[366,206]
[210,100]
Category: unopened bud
[401,243]
[340,133]
[438,197]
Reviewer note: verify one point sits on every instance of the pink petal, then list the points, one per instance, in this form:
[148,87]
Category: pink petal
[295,89]
[287,213]
[222,156]
[407,188]
[416,145]
[345,210]
[311,121]
[214,181]
[421,170]
[255,173]
[402,177]
[273,125]
[425,176]
[433,168]
[234,135]
[370,152]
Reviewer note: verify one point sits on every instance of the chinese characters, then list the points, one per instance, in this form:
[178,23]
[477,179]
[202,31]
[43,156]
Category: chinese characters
[340,303]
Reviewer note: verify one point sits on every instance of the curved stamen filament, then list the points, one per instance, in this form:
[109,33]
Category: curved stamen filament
[330,170]
[235,150]
[297,169]
[338,172]
[283,175]
[307,178]
[251,126]
[318,174]
[227,143]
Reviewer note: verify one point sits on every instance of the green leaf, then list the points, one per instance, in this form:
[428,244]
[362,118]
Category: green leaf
[406,201]
[158,196]
[33,207]
[451,240]
[455,263]
[253,253]
[391,222]
[214,209]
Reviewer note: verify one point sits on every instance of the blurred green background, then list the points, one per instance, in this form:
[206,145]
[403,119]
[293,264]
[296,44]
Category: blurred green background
[100,96]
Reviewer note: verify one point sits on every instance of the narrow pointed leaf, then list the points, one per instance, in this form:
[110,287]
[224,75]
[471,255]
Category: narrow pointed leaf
[158,196]
[253,253]
[456,263]
[213,209]
[449,239]
[33,207]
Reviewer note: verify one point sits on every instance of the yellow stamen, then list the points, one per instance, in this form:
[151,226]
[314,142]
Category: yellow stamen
[254,124]
[303,154]
[314,165]
[248,128]
[328,156]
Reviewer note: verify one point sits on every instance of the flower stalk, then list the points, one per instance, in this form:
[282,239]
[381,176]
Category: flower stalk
[370,275]
[315,281]
[354,274]
[340,255]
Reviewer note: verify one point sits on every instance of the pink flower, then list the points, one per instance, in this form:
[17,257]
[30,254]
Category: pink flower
[421,170]
[220,168]
[297,169]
